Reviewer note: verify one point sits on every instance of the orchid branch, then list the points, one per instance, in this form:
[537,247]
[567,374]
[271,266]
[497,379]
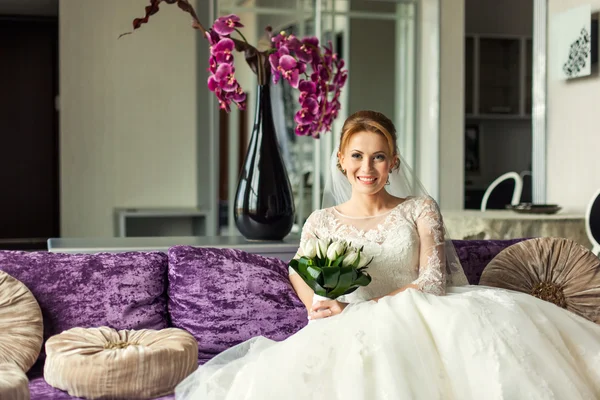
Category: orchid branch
[287,58]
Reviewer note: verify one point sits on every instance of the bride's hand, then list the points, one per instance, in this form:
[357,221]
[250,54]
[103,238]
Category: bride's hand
[326,308]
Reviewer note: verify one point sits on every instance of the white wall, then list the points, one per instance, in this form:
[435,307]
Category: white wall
[427,150]
[440,119]
[573,138]
[371,69]
[452,88]
[129,112]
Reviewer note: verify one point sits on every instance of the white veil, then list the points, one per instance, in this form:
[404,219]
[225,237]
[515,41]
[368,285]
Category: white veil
[403,182]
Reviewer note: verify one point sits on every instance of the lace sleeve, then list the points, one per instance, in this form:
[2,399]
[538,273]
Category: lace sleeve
[308,232]
[432,255]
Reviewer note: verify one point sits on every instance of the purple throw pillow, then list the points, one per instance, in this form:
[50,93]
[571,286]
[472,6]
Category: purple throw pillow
[475,255]
[122,290]
[226,296]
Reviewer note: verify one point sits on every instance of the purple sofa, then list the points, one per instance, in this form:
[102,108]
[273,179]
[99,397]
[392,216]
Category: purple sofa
[221,296]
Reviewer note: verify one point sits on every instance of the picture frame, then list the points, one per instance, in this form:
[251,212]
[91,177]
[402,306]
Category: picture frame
[573,41]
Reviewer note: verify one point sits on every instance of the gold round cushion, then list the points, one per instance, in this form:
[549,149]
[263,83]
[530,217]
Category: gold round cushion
[14,384]
[21,323]
[553,269]
[102,363]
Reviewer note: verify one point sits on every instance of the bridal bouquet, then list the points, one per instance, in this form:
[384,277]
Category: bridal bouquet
[332,268]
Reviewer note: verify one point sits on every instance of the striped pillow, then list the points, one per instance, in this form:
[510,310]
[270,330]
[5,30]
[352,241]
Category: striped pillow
[128,364]
[21,323]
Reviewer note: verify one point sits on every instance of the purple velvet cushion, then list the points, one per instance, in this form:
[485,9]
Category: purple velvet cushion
[226,296]
[474,255]
[123,290]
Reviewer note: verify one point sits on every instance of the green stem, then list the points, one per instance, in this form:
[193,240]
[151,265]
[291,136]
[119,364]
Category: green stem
[242,46]
[241,34]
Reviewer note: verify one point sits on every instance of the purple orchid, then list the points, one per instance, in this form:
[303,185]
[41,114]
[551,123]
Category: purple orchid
[213,84]
[212,37]
[281,39]
[288,69]
[223,50]
[307,88]
[225,77]
[212,64]
[226,98]
[225,26]
[314,69]
[274,61]
[309,111]
[302,130]
[223,101]
[309,50]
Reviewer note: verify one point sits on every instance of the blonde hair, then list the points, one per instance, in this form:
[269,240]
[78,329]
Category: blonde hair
[369,121]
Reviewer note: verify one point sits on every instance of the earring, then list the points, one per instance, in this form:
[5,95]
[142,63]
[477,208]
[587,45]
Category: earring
[388,181]
[343,171]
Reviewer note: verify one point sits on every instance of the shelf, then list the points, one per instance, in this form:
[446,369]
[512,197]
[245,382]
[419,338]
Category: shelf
[146,221]
[284,249]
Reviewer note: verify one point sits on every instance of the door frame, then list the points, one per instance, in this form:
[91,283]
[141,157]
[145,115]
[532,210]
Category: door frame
[52,22]
[539,101]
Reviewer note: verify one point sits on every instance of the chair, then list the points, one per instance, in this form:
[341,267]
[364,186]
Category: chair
[503,191]
[592,223]
[527,193]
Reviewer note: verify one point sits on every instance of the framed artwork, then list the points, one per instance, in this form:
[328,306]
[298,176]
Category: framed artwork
[472,150]
[571,41]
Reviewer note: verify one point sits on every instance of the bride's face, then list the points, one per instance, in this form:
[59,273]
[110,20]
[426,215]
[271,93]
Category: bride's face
[367,161]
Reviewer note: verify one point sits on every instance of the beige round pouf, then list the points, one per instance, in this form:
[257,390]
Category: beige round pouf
[21,326]
[553,269]
[14,384]
[102,363]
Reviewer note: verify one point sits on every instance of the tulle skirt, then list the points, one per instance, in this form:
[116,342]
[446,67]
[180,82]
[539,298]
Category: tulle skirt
[474,343]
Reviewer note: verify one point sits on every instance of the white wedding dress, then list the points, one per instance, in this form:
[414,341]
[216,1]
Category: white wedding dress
[471,343]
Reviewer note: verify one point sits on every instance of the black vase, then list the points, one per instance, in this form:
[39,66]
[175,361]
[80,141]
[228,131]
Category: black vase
[264,204]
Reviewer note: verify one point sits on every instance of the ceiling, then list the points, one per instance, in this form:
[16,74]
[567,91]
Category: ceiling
[29,7]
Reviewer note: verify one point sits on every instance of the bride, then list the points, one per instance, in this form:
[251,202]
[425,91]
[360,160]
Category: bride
[418,330]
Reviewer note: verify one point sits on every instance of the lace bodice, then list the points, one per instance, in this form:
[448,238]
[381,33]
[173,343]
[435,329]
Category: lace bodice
[407,245]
